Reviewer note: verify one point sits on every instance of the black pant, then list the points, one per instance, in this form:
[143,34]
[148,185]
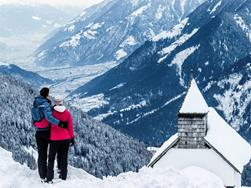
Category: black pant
[42,138]
[61,149]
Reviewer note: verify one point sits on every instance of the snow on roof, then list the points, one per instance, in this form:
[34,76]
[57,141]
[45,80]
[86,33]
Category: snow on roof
[164,147]
[194,102]
[227,141]
[222,137]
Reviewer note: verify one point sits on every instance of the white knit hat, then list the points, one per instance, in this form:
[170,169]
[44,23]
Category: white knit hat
[58,100]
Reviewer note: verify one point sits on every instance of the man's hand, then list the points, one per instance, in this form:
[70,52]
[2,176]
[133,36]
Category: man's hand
[72,142]
[63,124]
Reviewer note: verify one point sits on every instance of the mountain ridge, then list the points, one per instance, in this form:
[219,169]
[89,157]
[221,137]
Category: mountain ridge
[121,29]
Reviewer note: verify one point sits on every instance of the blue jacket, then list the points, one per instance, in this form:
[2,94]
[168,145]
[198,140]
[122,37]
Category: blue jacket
[44,106]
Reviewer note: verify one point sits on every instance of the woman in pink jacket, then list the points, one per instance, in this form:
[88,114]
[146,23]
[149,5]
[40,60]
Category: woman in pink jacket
[60,140]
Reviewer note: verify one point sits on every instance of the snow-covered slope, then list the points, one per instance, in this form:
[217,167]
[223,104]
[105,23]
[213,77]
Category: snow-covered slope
[14,175]
[112,30]
[95,141]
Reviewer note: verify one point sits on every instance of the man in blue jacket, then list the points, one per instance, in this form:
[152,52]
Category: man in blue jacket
[42,118]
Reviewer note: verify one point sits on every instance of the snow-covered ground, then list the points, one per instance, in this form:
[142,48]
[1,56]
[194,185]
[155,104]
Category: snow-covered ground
[14,175]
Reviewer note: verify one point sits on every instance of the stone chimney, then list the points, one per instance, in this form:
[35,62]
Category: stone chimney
[192,119]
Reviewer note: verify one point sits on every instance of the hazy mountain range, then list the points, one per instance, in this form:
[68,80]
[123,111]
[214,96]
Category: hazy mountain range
[111,31]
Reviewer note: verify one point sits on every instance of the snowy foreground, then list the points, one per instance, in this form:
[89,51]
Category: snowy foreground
[14,175]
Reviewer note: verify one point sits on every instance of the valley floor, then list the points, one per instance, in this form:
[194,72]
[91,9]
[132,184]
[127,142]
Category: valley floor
[14,175]
[67,79]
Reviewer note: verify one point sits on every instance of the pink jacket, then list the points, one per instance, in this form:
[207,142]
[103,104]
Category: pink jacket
[58,133]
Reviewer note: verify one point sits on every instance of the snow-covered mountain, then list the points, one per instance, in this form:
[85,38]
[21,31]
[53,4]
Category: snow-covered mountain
[31,78]
[142,95]
[99,149]
[111,30]
[24,27]
[155,178]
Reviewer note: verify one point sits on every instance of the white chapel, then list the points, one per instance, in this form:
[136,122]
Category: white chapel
[204,140]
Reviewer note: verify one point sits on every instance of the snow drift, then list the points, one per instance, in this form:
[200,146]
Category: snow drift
[14,175]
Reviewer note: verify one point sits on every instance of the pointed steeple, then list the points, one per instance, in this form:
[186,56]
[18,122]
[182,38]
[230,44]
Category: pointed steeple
[194,102]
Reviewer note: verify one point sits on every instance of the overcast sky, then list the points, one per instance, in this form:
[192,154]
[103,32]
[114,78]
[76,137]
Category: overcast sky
[84,3]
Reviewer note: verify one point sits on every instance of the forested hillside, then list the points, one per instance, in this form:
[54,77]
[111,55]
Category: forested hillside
[99,149]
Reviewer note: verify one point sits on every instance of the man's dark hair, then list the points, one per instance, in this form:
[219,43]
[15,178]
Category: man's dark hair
[44,92]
